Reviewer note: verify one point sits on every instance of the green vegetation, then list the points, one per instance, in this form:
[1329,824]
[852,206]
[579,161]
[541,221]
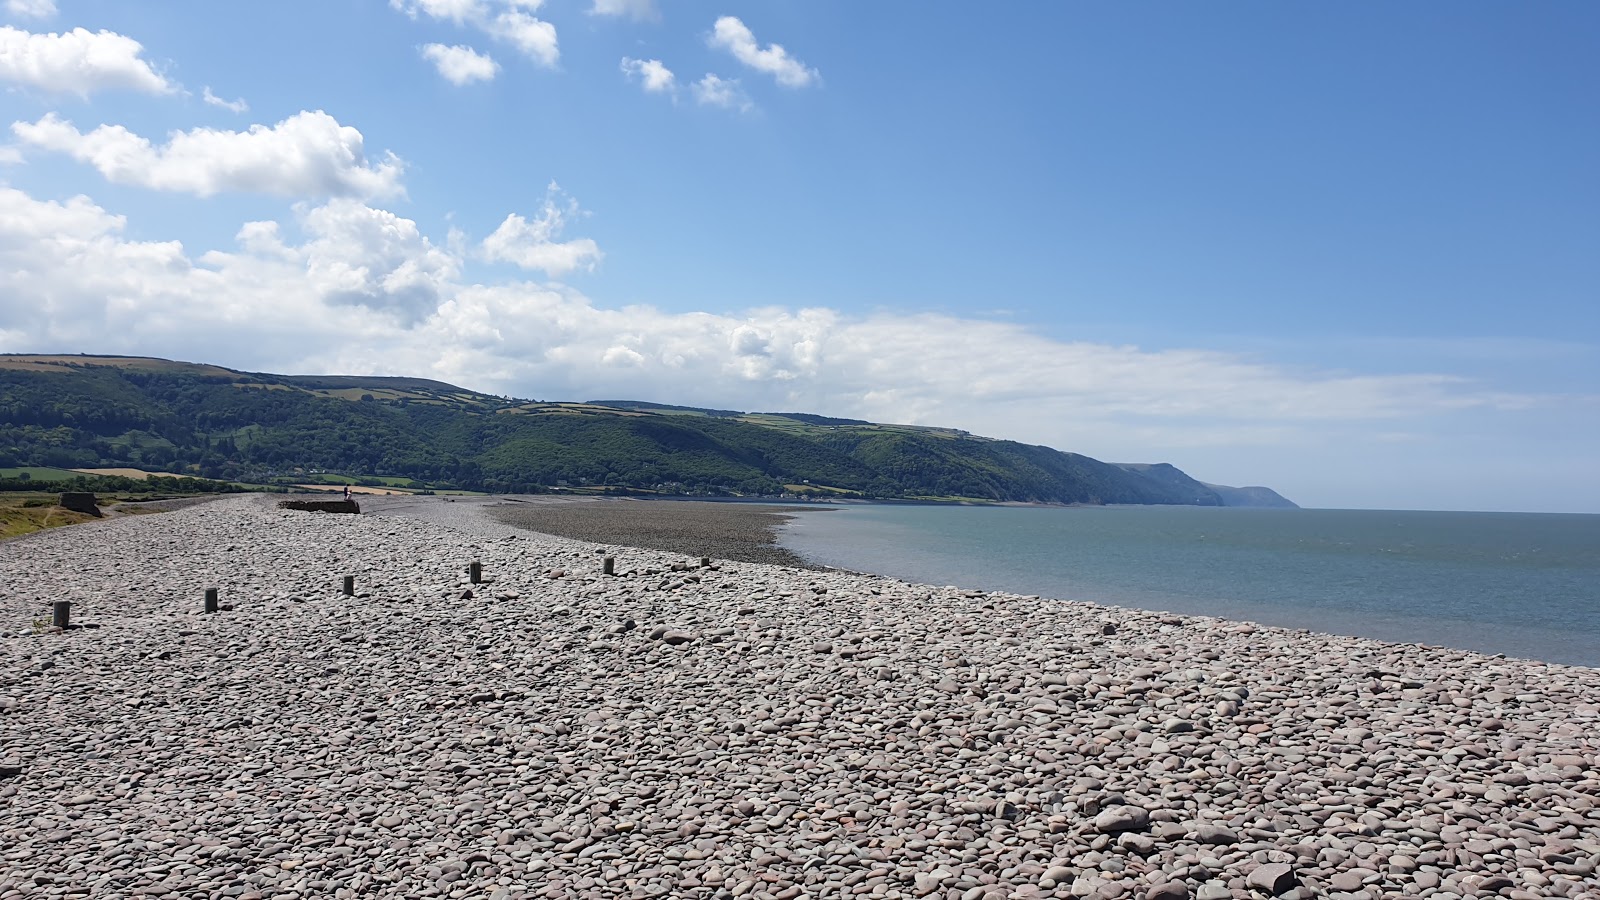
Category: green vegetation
[26,513]
[36,474]
[159,485]
[62,412]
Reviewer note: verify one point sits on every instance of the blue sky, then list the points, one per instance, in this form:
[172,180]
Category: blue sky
[1347,251]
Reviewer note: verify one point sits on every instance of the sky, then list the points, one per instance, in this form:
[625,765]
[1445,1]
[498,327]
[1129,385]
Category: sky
[1348,251]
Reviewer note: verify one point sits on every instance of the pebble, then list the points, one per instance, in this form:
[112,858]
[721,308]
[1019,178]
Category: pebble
[1273,878]
[1216,835]
[1121,818]
[735,730]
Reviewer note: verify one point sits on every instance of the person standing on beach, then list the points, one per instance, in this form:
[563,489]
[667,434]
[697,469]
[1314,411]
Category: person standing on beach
[347,493]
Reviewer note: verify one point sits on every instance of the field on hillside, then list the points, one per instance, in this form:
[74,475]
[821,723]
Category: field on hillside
[37,473]
[55,363]
[124,473]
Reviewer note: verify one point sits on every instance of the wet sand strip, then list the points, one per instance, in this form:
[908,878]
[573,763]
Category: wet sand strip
[738,531]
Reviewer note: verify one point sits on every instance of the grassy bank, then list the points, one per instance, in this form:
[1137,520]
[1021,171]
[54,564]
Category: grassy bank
[26,512]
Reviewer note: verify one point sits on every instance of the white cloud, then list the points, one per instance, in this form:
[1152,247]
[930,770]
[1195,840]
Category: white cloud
[652,75]
[536,38]
[308,154]
[385,299]
[237,106]
[31,9]
[457,11]
[732,35]
[535,244]
[509,21]
[77,62]
[71,256]
[725,92]
[373,258]
[638,10]
[359,271]
[460,65]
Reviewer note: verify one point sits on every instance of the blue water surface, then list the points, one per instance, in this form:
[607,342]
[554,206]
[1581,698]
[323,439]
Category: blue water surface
[1522,584]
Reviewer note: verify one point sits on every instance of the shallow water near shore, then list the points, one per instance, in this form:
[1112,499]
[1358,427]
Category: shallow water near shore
[1526,585]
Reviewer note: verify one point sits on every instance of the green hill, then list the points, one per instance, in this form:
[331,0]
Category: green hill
[158,415]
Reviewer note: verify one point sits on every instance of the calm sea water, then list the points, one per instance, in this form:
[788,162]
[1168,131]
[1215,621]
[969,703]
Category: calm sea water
[1526,585]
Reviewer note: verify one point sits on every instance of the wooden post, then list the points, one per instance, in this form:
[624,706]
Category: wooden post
[349,585]
[705,562]
[61,614]
[211,600]
[609,565]
[476,572]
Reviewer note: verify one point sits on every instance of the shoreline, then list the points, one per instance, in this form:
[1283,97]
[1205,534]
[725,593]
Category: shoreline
[743,730]
[749,531]
[739,531]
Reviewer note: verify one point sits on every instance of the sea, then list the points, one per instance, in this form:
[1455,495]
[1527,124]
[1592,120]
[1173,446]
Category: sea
[1524,585]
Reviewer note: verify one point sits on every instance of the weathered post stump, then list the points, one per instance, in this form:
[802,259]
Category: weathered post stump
[61,614]
[705,562]
[211,600]
[349,585]
[609,565]
[475,572]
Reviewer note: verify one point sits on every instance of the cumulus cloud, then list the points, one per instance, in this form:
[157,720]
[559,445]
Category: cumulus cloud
[509,21]
[732,35]
[308,154]
[651,74]
[373,258]
[638,10]
[237,106]
[77,62]
[31,9]
[713,90]
[355,272]
[535,245]
[459,64]
[536,38]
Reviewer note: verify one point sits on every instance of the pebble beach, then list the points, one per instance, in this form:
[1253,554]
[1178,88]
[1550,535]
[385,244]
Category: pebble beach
[740,729]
